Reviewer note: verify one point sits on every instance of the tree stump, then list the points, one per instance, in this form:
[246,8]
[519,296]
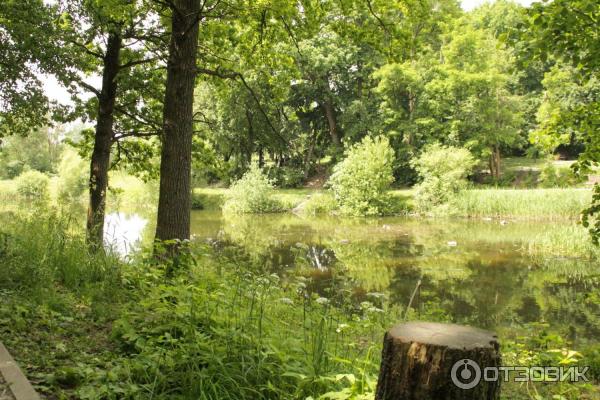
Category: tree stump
[431,361]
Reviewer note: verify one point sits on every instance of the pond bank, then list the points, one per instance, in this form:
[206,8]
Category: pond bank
[522,204]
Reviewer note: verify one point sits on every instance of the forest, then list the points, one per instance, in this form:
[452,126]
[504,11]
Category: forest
[236,199]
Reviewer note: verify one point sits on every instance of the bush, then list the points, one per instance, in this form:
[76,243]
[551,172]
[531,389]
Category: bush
[72,176]
[286,177]
[251,194]
[318,203]
[33,186]
[551,177]
[360,182]
[443,170]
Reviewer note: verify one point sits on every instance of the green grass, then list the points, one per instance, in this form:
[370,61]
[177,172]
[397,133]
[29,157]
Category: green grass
[90,326]
[543,204]
[533,204]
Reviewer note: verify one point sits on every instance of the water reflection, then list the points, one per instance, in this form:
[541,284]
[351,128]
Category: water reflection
[123,232]
[474,272]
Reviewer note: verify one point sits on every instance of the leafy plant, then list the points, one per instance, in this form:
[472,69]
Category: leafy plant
[286,177]
[444,171]
[72,176]
[33,186]
[252,193]
[360,182]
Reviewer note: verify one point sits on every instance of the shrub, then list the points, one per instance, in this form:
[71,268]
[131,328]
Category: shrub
[360,182]
[443,170]
[286,177]
[33,186]
[558,177]
[72,176]
[251,194]
[318,203]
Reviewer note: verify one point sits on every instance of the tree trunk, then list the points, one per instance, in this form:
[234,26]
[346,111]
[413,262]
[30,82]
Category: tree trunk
[309,154]
[174,202]
[332,123]
[102,143]
[423,360]
[261,157]
[250,146]
[495,163]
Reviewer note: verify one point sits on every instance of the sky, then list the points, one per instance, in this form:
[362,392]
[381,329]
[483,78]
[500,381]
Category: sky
[471,4]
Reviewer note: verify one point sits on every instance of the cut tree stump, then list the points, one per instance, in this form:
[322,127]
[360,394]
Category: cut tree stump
[419,360]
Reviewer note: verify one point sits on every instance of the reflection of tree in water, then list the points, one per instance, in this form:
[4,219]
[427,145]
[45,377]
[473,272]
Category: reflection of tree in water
[372,264]
[575,303]
[486,295]
[486,283]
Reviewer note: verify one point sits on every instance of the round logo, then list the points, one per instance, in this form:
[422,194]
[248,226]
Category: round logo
[465,374]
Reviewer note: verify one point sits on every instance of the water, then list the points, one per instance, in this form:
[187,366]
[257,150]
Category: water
[474,272]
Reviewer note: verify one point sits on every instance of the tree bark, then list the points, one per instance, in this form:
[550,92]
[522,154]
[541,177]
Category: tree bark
[418,359]
[309,153]
[495,163]
[174,203]
[103,137]
[332,123]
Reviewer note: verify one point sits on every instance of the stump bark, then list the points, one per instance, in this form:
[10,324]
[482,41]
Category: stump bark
[418,360]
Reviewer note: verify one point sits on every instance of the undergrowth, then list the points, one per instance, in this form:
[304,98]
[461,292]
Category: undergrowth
[91,326]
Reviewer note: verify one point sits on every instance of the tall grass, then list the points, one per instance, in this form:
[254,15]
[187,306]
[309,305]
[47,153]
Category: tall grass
[549,204]
[44,251]
[215,330]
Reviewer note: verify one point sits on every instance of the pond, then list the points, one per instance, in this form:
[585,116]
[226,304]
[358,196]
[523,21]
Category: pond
[476,272]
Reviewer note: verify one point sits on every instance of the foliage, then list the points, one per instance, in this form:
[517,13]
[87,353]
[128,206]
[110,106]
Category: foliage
[286,177]
[530,204]
[72,176]
[565,94]
[26,49]
[591,216]
[559,177]
[252,193]
[33,186]
[443,171]
[567,30]
[361,180]
[206,332]
[318,203]
[40,151]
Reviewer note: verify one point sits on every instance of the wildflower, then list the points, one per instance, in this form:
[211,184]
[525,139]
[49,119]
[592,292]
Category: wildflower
[322,300]
[286,300]
[341,327]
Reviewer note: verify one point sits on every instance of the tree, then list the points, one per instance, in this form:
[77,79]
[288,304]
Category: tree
[103,37]
[174,204]
[460,95]
[568,30]
[25,26]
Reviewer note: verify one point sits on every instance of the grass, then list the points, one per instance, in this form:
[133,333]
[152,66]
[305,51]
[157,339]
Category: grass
[542,204]
[532,204]
[91,326]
